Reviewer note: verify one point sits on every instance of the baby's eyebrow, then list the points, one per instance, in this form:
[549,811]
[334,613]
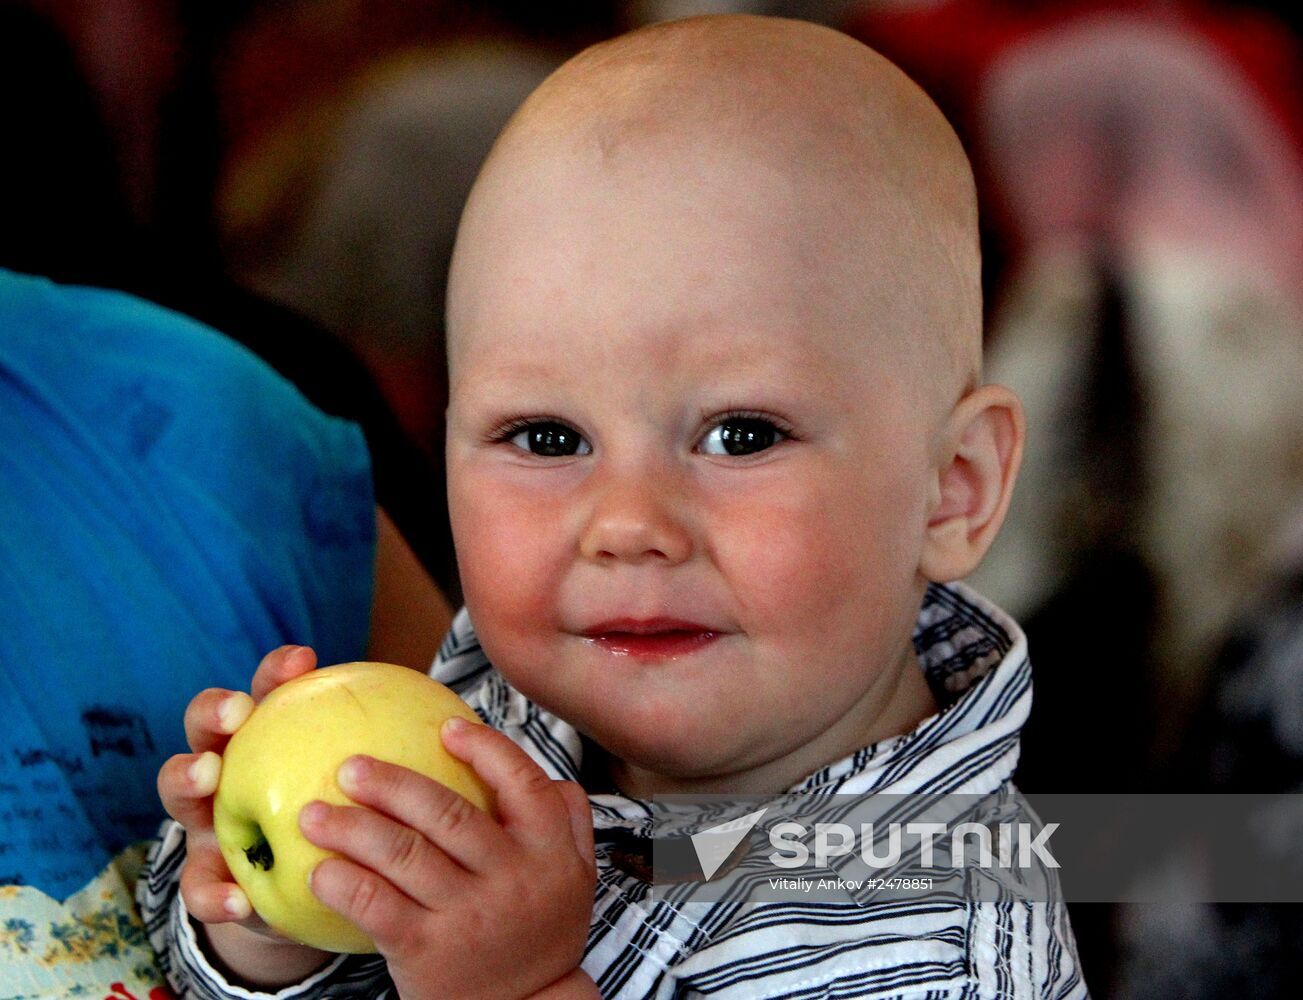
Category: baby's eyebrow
[505,376]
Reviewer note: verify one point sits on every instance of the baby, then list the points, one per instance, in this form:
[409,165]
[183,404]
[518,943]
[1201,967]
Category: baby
[716,428]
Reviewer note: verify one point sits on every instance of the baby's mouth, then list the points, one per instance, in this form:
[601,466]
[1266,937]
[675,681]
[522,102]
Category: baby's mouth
[650,639]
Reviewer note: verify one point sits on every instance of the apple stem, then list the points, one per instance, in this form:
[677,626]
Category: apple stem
[259,854]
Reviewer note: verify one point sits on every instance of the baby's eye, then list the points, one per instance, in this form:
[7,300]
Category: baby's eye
[740,436]
[550,440]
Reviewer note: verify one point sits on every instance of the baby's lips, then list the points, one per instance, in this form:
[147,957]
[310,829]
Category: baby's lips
[646,626]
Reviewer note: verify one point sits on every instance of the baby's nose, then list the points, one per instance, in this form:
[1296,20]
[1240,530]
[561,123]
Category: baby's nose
[638,520]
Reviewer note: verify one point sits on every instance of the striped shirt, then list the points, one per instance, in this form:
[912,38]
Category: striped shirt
[645,944]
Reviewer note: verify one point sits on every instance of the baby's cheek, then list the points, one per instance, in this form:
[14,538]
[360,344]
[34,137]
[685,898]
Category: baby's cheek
[503,562]
[819,568]
[787,558]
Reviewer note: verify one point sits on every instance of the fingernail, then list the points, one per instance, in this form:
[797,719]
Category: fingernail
[454,725]
[232,712]
[313,813]
[237,904]
[352,773]
[204,773]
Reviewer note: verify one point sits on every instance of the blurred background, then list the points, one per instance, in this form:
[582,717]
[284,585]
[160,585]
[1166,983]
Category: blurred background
[292,171]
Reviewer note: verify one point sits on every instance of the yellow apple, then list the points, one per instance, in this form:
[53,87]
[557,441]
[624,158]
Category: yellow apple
[287,754]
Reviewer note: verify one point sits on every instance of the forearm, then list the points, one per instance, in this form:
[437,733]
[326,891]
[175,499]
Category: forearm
[247,958]
[188,957]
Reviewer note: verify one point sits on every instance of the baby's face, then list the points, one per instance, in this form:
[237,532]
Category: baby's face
[687,489]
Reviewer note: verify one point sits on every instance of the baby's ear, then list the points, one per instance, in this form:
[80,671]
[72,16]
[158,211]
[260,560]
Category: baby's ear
[976,461]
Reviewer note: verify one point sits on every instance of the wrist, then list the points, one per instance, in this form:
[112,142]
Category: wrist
[255,961]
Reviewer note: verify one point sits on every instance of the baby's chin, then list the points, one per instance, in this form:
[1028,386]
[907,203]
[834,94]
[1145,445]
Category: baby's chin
[655,765]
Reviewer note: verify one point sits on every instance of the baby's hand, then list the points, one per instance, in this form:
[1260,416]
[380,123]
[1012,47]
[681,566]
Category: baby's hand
[459,903]
[250,950]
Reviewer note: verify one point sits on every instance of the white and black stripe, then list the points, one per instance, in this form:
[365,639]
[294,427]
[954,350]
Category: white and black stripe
[643,946]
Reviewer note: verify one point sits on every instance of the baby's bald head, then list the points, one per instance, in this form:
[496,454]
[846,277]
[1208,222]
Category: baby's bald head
[859,176]
[714,333]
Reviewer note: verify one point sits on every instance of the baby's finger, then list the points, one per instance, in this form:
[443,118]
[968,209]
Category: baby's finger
[466,834]
[394,850]
[213,715]
[529,803]
[279,666]
[581,817]
[207,889]
[368,900]
[186,783]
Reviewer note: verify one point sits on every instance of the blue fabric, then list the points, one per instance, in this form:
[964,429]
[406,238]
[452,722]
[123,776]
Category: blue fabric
[170,510]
